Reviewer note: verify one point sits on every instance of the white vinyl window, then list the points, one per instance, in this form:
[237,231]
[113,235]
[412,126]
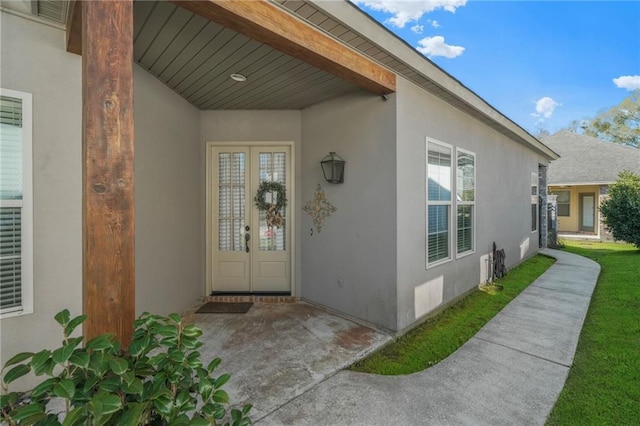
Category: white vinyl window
[534,202]
[465,201]
[564,202]
[16,212]
[439,200]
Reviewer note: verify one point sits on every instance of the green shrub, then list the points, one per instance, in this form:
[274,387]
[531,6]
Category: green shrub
[160,380]
[621,210]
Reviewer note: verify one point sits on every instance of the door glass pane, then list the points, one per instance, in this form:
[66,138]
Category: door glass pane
[272,167]
[231,200]
[587,211]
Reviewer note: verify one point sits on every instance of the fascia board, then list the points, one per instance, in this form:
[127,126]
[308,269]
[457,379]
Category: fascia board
[351,16]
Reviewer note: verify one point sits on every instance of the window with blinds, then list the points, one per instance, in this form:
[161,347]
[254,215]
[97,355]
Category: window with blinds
[15,203]
[465,200]
[564,202]
[534,202]
[438,201]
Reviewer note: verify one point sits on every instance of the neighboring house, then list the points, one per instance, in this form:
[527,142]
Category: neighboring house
[580,179]
[434,175]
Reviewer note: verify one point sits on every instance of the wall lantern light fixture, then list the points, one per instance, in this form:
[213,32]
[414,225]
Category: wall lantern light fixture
[333,168]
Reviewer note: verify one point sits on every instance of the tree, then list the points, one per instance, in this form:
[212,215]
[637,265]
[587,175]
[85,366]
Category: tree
[621,210]
[619,124]
[542,133]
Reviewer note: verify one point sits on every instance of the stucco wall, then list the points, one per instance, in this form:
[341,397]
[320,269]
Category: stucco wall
[571,223]
[503,177]
[357,243]
[255,126]
[169,269]
[169,272]
[33,60]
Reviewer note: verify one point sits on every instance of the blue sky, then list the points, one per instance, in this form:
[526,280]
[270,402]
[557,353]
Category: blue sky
[542,64]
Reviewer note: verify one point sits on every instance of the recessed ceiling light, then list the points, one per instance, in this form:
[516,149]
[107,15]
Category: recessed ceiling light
[238,77]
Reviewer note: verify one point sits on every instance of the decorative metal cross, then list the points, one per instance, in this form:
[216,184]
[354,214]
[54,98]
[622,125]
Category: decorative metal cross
[319,208]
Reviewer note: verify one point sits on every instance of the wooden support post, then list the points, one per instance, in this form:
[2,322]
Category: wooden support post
[108,187]
[74,27]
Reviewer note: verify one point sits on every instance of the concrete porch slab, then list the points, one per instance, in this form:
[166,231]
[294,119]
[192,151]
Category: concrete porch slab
[277,351]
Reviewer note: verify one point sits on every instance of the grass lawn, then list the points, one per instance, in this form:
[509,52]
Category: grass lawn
[603,387]
[440,336]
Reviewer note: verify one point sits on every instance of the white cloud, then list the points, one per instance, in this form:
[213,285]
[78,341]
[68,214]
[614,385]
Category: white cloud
[435,46]
[405,11]
[418,29]
[545,107]
[434,24]
[629,82]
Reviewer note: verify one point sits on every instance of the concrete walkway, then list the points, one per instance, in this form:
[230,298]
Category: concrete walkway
[510,373]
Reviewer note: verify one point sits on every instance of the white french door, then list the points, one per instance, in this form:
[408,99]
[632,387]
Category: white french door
[247,255]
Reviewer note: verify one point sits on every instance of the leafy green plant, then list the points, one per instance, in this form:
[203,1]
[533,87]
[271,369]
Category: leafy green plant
[160,380]
[621,210]
[619,124]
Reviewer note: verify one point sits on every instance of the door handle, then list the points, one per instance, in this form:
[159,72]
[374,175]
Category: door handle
[247,237]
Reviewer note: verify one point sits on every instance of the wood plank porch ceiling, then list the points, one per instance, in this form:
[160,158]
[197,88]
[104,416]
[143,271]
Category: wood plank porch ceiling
[195,57]
[279,81]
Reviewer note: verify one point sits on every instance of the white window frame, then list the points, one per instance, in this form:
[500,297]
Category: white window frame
[568,203]
[534,200]
[26,204]
[466,203]
[449,203]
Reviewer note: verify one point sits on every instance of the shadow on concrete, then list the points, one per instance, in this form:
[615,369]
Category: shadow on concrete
[277,351]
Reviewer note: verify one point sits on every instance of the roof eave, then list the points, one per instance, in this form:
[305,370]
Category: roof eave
[352,16]
[599,182]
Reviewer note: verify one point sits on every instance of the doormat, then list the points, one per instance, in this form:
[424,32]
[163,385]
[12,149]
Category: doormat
[224,308]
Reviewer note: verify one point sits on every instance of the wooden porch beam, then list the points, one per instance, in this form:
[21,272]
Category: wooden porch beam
[267,23]
[74,28]
[108,187]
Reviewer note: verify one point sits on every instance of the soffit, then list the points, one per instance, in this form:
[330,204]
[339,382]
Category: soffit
[312,14]
[195,58]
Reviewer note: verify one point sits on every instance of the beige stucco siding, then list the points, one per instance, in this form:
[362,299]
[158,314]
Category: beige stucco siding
[357,242]
[33,60]
[503,215]
[350,266]
[369,260]
[255,126]
[571,223]
[169,272]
